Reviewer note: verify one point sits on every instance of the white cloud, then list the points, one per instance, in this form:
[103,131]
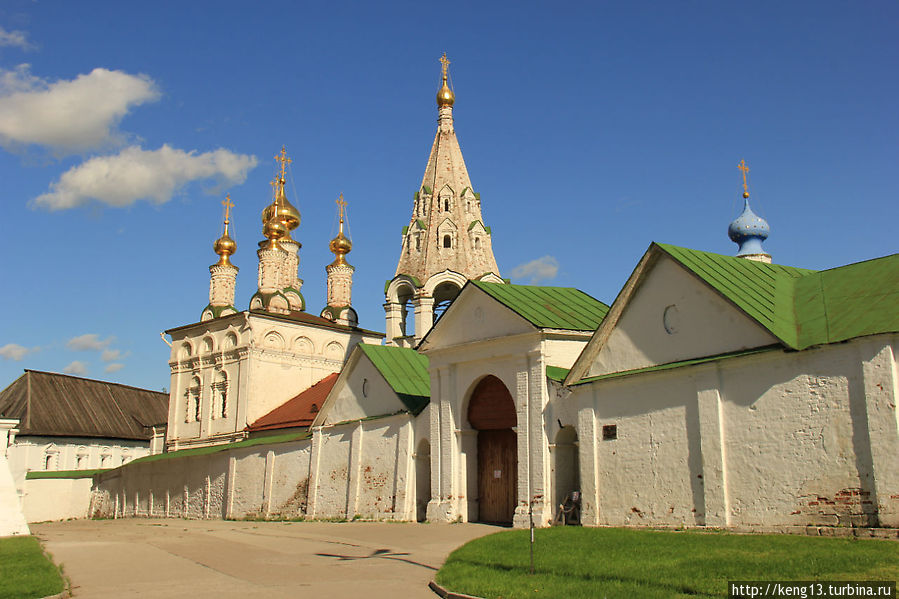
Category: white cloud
[68,115]
[76,367]
[136,174]
[14,351]
[89,342]
[14,38]
[541,269]
[110,355]
[113,367]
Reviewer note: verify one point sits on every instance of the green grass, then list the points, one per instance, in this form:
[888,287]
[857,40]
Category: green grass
[607,562]
[26,571]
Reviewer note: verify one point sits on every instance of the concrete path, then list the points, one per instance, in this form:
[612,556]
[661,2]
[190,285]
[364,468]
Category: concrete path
[210,558]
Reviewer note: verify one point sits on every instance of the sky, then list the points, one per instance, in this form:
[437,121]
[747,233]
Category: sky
[589,129]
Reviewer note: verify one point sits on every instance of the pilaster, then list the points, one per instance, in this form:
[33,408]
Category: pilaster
[881,382]
[521,518]
[715,510]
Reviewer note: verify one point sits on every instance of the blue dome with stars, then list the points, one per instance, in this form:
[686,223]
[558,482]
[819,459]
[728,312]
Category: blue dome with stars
[748,231]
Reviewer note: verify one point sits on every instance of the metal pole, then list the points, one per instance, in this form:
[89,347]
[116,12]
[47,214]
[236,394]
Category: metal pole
[531,518]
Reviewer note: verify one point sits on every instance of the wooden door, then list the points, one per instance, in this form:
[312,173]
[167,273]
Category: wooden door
[497,475]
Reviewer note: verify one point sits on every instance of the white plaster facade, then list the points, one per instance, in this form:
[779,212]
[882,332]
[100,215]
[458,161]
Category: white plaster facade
[478,337]
[230,371]
[12,521]
[769,439]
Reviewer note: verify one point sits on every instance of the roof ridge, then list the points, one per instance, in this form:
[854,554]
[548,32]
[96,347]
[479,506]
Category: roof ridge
[82,378]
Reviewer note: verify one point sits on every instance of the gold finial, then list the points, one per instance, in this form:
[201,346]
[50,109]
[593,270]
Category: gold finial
[228,204]
[445,96]
[284,160]
[742,166]
[446,63]
[340,245]
[341,207]
[224,246]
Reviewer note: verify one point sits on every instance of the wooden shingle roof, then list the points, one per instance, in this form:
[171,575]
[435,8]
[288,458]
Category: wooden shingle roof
[61,405]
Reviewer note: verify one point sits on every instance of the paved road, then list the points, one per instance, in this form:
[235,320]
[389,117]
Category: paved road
[201,558]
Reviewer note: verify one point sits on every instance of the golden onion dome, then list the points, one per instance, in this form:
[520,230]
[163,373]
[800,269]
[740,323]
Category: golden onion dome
[445,96]
[340,244]
[274,229]
[224,245]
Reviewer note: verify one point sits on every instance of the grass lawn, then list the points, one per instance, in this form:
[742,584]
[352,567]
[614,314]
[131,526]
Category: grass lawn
[610,562]
[25,571]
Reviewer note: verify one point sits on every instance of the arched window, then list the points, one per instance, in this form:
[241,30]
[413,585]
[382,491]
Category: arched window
[220,395]
[48,461]
[418,243]
[192,399]
[477,243]
[447,241]
[446,204]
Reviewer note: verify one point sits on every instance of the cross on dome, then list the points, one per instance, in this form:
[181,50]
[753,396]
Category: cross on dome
[742,166]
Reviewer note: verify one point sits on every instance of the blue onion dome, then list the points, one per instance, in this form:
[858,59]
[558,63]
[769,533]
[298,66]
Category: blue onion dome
[748,230]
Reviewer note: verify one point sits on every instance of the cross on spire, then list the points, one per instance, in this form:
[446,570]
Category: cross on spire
[446,63]
[228,204]
[341,209]
[284,160]
[742,166]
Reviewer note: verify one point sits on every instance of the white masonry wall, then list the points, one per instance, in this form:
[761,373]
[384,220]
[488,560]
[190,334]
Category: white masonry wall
[363,468]
[774,439]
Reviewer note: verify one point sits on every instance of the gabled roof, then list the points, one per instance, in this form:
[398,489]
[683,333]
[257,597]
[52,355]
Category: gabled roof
[299,411]
[53,404]
[405,370]
[800,307]
[804,307]
[564,308]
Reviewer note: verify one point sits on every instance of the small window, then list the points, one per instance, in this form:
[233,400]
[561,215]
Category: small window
[417,243]
[447,241]
[477,243]
[364,387]
[446,205]
[48,462]
[609,432]
[313,408]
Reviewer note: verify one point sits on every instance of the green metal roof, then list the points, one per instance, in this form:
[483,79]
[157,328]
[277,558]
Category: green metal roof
[549,307]
[804,307]
[405,370]
[557,373]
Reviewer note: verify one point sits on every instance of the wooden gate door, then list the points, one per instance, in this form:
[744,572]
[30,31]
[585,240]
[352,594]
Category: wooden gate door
[497,475]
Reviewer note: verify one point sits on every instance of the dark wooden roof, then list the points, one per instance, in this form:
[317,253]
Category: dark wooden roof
[46,403]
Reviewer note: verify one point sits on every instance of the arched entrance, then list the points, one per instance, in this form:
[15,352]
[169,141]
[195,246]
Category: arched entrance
[491,412]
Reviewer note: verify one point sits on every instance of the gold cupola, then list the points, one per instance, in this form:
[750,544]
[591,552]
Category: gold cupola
[340,246]
[445,96]
[280,217]
[224,246]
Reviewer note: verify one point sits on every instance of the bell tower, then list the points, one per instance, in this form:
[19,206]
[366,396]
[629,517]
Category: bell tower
[446,242]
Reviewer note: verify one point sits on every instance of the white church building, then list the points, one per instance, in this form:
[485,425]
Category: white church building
[719,391]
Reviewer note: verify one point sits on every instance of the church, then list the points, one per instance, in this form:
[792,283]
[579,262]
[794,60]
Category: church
[714,391]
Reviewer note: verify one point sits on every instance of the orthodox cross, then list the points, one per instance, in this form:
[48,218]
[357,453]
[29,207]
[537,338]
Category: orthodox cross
[284,160]
[742,166]
[228,204]
[445,62]
[341,208]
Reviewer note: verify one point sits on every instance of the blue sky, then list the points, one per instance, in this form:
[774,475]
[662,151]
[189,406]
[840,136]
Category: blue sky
[589,129]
